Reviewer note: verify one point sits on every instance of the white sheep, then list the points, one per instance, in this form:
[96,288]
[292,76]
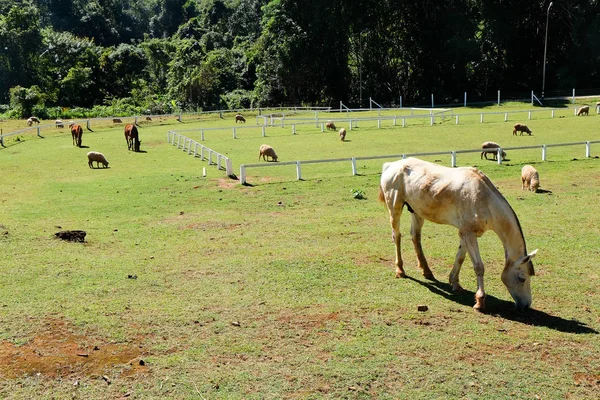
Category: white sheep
[530,179]
[342,134]
[491,148]
[267,151]
[98,157]
[59,123]
[31,120]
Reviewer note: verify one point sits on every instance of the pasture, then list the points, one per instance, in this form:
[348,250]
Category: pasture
[199,287]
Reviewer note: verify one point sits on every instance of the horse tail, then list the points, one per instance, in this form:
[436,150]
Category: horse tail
[381,197]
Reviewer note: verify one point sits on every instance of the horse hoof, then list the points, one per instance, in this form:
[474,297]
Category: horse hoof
[429,276]
[400,274]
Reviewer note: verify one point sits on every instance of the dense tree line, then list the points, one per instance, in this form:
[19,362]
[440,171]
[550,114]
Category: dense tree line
[191,54]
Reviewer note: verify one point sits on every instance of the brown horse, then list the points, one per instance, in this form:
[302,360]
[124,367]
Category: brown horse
[76,133]
[132,137]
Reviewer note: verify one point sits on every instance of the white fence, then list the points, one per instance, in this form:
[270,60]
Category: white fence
[453,157]
[205,153]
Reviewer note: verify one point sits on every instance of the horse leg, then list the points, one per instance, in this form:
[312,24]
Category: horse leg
[396,237]
[470,242]
[415,231]
[458,261]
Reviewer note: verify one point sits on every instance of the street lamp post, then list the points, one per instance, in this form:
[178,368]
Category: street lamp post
[545,47]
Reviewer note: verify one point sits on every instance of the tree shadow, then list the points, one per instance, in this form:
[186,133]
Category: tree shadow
[496,307]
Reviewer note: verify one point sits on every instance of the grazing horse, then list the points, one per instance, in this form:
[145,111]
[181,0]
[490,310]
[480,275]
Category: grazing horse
[466,199]
[76,133]
[132,138]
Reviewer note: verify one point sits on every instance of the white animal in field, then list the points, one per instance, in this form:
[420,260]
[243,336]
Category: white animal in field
[466,199]
[530,178]
[267,151]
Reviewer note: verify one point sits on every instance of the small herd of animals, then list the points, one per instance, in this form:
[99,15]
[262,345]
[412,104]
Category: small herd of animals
[463,197]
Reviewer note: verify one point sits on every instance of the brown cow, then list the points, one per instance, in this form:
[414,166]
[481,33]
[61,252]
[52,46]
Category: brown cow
[132,138]
[76,133]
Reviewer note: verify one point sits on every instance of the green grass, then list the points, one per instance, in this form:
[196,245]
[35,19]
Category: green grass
[285,289]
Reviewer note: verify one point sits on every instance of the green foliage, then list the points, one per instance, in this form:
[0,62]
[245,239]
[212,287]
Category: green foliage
[358,194]
[23,100]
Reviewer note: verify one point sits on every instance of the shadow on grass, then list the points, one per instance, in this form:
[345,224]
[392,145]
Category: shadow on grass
[506,309]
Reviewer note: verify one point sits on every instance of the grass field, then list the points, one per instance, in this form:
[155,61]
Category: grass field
[199,287]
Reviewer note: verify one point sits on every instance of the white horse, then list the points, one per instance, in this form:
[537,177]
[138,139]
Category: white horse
[466,199]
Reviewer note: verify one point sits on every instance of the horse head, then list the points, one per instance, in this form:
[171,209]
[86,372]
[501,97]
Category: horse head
[517,279]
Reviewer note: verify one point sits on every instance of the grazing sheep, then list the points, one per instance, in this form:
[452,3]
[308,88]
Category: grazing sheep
[521,128]
[491,148]
[240,117]
[31,120]
[98,157]
[148,119]
[76,133]
[330,126]
[117,120]
[342,134]
[59,123]
[267,151]
[584,110]
[530,178]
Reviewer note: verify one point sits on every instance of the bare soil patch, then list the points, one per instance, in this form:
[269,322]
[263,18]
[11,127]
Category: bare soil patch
[57,352]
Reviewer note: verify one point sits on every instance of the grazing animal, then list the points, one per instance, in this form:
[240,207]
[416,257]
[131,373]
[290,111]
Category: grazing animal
[466,199]
[59,123]
[342,134]
[98,157]
[148,119]
[31,120]
[240,118]
[530,178]
[76,133]
[521,128]
[117,121]
[132,137]
[330,126]
[584,110]
[267,151]
[491,148]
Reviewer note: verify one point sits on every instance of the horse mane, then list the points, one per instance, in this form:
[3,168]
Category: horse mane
[495,190]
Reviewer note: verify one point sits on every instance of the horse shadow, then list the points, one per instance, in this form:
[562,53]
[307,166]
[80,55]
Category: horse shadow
[83,147]
[496,307]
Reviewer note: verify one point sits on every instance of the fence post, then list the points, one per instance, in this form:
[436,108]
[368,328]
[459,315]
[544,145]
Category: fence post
[453,162]
[202,134]
[243,174]
[298,171]
[552,113]
[168,136]
[378,124]
[543,152]
[431,120]
[264,131]
[532,97]
[432,105]
[394,120]
[228,167]
[465,104]
[573,96]
[179,117]
[354,166]
[499,155]
[135,121]
[293,129]
[322,127]
[190,147]
[210,154]
[400,101]
[202,152]
[498,97]
[481,119]
[403,122]
[219,161]
[88,125]
[196,149]
[178,139]
[234,136]
[588,150]
[529,115]
[457,120]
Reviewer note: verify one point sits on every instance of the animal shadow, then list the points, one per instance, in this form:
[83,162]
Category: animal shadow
[84,147]
[496,307]
[542,191]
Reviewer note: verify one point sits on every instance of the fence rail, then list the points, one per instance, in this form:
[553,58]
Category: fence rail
[452,153]
[214,158]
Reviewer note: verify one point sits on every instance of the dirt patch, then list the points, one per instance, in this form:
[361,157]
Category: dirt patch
[56,352]
[228,183]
